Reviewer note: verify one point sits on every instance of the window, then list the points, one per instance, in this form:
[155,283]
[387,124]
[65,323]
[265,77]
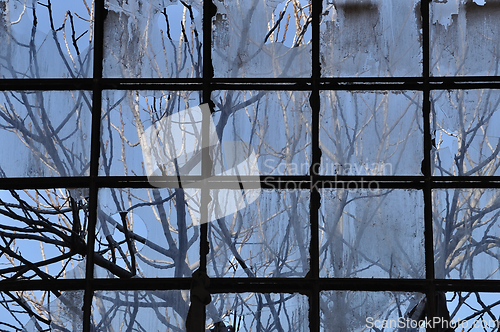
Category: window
[261,165]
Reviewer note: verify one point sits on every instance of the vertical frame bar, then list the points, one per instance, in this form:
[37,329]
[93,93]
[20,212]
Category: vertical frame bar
[426,163]
[314,298]
[206,166]
[208,74]
[94,160]
[315,200]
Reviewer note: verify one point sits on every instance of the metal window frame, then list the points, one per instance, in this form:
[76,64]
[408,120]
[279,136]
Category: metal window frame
[312,284]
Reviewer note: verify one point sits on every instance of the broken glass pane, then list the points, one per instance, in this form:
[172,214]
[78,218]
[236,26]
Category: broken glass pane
[267,238]
[45,133]
[153,39]
[466,132]
[140,310]
[370,311]
[247,312]
[46,39]
[474,311]
[33,311]
[371,233]
[16,313]
[371,133]
[145,233]
[43,234]
[465,38]
[466,233]
[371,38]
[262,38]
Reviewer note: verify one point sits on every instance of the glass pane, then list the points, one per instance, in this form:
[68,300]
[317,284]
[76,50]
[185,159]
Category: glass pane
[258,312]
[464,38]
[155,237]
[267,238]
[371,38]
[33,311]
[44,234]
[53,39]
[153,39]
[273,128]
[140,310]
[45,133]
[275,124]
[127,115]
[466,233]
[371,233]
[262,38]
[465,125]
[371,133]
[370,311]
[474,311]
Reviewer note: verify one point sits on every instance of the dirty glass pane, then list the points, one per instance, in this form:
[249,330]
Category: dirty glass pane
[33,311]
[465,37]
[466,232]
[268,237]
[155,236]
[262,38]
[273,129]
[371,133]
[46,39]
[474,311]
[465,125]
[126,115]
[371,233]
[43,234]
[153,39]
[275,125]
[140,310]
[258,312]
[44,134]
[370,311]
[371,38]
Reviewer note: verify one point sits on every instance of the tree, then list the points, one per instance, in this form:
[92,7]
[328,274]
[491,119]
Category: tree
[367,232]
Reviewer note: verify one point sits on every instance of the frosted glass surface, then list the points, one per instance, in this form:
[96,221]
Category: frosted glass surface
[370,233]
[367,311]
[262,38]
[466,233]
[465,38]
[466,132]
[371,38]
[268,238]
[40,41]
[258,312]
[153,39]
[160,310]
[276,124]
[140,310]
[45,134]
[371,133]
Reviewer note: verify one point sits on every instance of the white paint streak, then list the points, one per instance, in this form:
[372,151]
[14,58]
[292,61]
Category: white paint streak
[443,11]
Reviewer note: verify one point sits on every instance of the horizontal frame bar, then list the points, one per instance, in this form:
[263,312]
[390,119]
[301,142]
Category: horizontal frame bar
[262,181]
[279,84]
[266,285]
